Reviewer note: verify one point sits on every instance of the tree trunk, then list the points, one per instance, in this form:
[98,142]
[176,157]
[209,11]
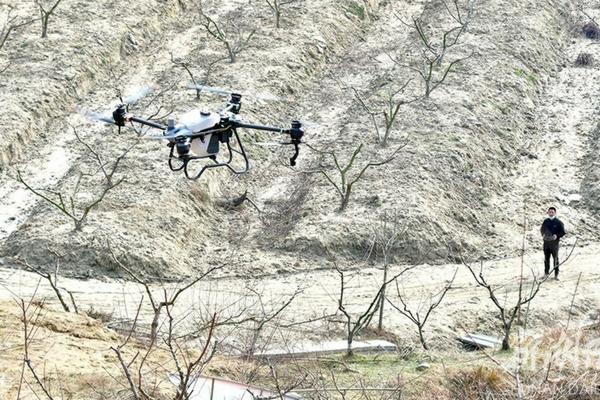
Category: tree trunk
[154,325]
[45,19]
[422,339]
[382,300]
[506,339]
[345,198]
[349,351]
[231,53]
[277,19]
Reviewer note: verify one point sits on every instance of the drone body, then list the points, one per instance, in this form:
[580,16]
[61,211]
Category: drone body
[197,121]
[198,136]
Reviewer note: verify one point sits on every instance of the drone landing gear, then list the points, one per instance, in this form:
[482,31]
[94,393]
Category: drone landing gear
[178,163]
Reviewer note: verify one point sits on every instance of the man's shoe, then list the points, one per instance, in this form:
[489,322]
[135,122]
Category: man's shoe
[546,276]
[556,278]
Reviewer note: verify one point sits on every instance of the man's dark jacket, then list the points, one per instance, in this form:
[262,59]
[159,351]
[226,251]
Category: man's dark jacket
[552,227]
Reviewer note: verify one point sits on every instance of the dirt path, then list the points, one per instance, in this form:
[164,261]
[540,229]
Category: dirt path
[465,305]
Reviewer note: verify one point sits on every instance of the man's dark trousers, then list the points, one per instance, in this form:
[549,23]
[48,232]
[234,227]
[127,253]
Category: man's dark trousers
[551,249]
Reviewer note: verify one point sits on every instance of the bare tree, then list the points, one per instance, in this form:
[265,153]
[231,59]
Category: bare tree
[233,36]
[45,12]
[208,69]
[385,235]
[68,203]
[355,324]
[344,183]
[167,300]
[264,315]
[11,23]
[252,318]
[432,66]
[509,313]
[277,7]
[189,365]
[389,106]
[31,320]
[424,309]
[52,280]
[187,361]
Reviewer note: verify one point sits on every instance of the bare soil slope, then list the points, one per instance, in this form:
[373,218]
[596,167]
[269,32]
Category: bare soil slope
[477,148]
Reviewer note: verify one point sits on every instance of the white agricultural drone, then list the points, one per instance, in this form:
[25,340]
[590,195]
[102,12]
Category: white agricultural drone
[198,135]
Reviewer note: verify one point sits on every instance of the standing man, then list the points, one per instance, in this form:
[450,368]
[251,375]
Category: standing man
[552,230]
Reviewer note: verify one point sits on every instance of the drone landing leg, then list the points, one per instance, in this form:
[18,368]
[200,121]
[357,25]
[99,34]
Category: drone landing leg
[241,152]
[172,157]
[231,150]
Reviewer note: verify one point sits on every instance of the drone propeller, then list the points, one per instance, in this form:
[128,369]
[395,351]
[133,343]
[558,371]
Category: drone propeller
[130,100]
[97,117]
[273,144]
[168,137]
[224,92]
[139,94]
[210,89]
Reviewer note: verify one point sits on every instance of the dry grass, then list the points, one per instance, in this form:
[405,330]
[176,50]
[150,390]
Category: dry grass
[478,383]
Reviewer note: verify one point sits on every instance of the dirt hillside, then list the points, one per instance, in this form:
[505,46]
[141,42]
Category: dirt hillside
[480,147]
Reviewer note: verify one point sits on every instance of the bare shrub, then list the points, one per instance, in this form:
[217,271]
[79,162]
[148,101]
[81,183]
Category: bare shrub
[432,66]
[206,64]
[385,236]
[235,37]
[10,23]
[384,109]
[356,322]
[510,309]
[277,7]
[591,30]
[420,313]
[52,280]
[102,316]
[585,60]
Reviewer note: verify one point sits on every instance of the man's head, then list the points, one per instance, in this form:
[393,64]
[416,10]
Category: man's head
[551,212]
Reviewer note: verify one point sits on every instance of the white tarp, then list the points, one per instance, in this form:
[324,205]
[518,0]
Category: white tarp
[207,388]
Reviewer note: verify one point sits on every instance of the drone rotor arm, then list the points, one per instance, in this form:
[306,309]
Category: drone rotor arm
[295,133]
[147,122]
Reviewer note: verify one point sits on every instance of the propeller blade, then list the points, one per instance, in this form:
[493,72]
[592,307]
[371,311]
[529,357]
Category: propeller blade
[268,144]
[307,123]
[161,137]
[138,94]
[224,92]
[94,116]
[210,89]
